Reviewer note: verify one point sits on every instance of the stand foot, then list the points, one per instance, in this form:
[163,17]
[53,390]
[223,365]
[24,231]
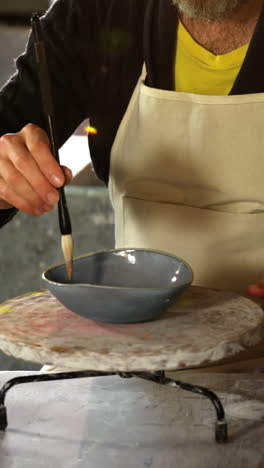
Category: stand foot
[3,418]
[221,432]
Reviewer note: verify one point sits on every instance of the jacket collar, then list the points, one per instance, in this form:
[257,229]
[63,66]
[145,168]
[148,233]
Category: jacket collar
[251,76]
[160,33]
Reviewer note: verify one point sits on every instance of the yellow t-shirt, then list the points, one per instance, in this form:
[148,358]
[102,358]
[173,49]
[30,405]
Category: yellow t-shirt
[199,71]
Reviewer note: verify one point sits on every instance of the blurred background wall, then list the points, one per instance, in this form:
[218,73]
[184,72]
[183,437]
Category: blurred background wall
[22,7]
[29,245]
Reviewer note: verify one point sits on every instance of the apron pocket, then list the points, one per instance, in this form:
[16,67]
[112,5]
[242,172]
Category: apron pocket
[224,249]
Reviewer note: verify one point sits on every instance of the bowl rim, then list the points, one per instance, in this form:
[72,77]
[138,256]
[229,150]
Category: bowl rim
[120,249]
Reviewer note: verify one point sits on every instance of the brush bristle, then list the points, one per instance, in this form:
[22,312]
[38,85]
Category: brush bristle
[67,248]
[69,267]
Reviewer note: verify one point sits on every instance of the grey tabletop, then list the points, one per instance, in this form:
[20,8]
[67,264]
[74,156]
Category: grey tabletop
[110,422]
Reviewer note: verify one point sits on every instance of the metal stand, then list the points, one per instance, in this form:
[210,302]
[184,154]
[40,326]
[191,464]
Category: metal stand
[221,432]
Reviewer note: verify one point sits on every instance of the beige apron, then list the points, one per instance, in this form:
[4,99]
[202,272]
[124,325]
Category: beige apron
[187,176]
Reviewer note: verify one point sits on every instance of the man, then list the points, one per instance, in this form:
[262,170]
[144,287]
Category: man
[186,162]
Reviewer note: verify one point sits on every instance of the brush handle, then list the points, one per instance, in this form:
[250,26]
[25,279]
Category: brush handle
[47,101]
[64,216]
[63,212]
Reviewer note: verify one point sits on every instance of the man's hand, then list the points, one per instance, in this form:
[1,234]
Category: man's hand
[256,290]
[29,173]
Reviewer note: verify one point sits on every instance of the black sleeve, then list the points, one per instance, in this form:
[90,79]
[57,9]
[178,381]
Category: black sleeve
[70,34]
[72,31]
[71,37]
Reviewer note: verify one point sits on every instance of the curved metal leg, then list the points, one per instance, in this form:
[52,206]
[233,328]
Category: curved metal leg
[40,378]
[221,429]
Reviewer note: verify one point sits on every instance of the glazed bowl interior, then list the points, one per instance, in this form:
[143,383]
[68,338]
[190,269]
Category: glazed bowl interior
[124,269]
[111,283]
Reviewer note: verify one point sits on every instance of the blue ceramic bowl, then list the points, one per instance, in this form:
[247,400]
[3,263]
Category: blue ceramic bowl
[121,285]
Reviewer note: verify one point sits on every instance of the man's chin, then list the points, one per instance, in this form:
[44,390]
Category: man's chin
[212,10]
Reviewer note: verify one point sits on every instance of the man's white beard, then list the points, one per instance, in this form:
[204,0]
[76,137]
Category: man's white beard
[213,10]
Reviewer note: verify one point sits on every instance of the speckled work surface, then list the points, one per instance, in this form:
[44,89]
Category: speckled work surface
[203,326]
[109,422]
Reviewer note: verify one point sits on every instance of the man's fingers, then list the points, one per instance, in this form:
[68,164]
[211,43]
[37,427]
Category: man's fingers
[9,196]
[260,283]
[29,173]
[21,167]
[255,290]
[38,145]
[5,205]
[67,174]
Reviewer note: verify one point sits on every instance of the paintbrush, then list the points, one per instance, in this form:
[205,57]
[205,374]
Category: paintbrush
[47,101]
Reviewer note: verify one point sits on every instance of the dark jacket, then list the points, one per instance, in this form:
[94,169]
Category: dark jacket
[96,49]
